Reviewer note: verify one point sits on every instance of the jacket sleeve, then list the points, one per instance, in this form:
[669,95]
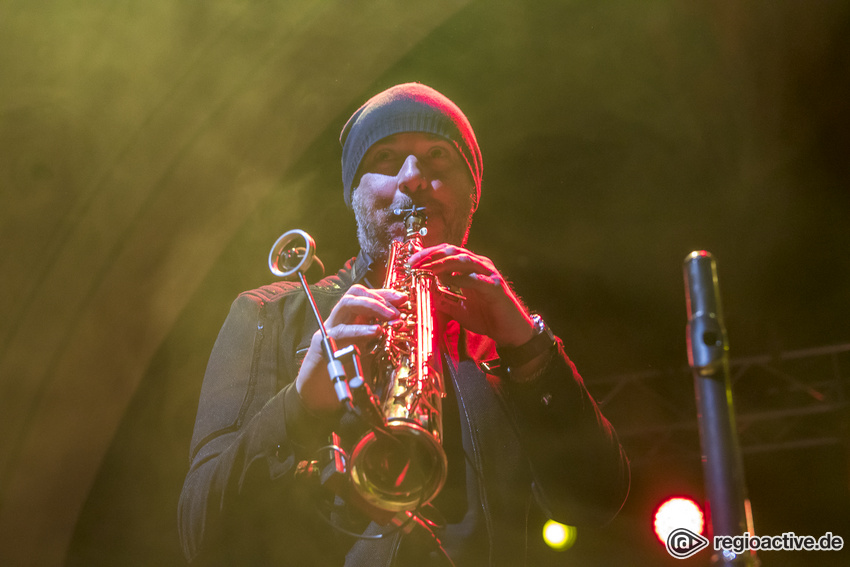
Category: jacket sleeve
[249,433]
[580,471]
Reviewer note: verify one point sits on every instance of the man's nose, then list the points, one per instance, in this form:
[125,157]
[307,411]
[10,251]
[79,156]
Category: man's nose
[411,178]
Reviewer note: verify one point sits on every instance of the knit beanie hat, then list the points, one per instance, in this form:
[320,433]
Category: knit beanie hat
[411,107]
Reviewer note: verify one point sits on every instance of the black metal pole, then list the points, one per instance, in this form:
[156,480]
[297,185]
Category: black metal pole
[708,356]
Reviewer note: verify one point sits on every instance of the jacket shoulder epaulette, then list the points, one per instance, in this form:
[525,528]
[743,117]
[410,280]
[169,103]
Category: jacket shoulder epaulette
[278,290]
[271,292]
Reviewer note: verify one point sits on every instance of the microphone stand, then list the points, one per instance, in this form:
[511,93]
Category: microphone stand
[286,261]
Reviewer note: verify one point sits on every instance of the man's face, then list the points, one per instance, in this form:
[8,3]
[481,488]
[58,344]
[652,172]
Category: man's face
[412,168]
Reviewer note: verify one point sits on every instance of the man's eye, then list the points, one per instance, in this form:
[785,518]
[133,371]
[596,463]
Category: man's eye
[383,155]
[437,152]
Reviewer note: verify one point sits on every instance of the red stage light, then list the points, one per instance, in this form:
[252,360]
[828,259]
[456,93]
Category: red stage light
[678,512]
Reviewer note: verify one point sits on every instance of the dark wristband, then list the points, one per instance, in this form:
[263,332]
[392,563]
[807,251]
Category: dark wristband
[542,341]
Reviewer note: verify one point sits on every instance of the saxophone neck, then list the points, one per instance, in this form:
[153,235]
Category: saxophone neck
[402,249]
[414,221]
[415,226]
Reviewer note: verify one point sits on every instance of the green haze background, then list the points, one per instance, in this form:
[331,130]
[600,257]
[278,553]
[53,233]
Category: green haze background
[151,152]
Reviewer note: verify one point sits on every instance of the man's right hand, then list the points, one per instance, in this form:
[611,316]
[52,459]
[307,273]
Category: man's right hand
[356,319]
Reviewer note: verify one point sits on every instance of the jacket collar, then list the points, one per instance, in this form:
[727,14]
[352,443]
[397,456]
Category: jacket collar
[362,270]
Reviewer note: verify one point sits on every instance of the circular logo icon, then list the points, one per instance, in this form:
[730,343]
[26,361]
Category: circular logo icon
[682,543]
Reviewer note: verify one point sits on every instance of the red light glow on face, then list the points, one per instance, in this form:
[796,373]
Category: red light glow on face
[679,512]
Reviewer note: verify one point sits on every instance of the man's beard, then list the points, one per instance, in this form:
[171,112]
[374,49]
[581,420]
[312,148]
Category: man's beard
[378,226]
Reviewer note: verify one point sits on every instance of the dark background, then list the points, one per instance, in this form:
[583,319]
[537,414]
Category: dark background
[151,153]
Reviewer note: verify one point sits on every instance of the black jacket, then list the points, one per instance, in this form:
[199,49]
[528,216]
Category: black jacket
[545,441]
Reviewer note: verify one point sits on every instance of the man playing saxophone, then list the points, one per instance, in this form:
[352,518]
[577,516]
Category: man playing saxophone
[519,428]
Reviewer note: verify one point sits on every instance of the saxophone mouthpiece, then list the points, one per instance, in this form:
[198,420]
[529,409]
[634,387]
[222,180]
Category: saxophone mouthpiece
[414,220]
[407,212]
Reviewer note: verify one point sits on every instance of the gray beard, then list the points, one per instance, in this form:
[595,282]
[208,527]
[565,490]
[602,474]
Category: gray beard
[377,226]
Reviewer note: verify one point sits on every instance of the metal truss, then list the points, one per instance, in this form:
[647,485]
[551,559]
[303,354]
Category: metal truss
[786,401]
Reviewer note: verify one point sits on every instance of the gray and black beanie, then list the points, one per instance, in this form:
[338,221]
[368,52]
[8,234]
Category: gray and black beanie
[411,107]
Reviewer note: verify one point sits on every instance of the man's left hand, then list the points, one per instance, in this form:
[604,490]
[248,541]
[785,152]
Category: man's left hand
[491,307]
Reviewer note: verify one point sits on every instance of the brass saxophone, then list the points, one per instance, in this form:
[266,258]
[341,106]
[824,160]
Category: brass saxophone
[399,464]
[403,465]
